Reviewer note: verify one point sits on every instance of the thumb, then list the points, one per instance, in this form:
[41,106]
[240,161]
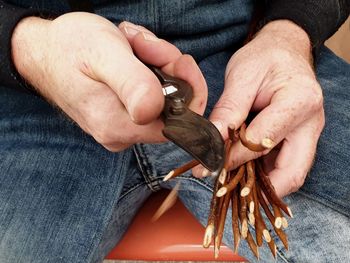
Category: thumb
[135,84]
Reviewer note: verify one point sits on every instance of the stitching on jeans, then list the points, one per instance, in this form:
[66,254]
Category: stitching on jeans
[199,181]
[146,168]
[283,256]
[130,190]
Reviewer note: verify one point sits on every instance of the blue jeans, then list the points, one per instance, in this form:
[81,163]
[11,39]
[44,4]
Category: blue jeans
[64,198]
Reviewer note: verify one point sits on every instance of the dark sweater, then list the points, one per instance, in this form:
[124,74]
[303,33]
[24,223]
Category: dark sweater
[319,18]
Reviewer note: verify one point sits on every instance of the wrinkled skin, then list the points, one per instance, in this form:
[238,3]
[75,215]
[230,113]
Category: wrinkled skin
[103,85]
[86,66]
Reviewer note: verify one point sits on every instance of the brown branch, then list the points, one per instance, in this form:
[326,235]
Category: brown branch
[247,143]
[254,248]
[278,216]
[259,222]
[235,225]
[243,216]
[234,180]
[250,178]
[250,202]
[270,192]
[233,134]
[228,145]
[272,247]
[221,224]
[282,236]
[178,171]
[251,219]
[210,229]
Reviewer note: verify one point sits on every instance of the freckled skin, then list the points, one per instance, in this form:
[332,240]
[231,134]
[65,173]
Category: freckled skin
[273,76]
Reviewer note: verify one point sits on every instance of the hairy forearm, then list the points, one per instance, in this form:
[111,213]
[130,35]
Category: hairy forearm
[27,46]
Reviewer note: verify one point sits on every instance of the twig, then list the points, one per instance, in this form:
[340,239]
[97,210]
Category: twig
[250,178]
[250,202]
[272,247]
[249,144]
[234,180]
[270,216]
[254,248]
[169,201]
[221,224]
[235,226]
[233,134]
[210,229]
[278,216]
[259,222]
[251,219]
[270,192]
[223,176]
[178,171]
[243,213]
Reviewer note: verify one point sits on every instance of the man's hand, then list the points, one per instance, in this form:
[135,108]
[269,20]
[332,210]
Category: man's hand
[273,75]
[87,66]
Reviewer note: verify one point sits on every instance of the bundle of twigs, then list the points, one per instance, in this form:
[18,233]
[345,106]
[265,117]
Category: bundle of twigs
[249,191]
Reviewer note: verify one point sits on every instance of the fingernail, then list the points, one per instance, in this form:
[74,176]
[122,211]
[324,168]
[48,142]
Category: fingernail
[131,31]
[150,37]
[218,125]
[267,143]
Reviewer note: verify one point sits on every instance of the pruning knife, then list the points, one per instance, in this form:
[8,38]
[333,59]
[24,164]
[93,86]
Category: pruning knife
[187,129]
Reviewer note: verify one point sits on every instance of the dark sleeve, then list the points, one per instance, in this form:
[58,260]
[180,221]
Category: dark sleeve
[9,18]
[319,18]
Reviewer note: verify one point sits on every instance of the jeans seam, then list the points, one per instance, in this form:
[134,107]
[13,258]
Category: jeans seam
[130,190]
[283,256]
[146,168]
[199,181]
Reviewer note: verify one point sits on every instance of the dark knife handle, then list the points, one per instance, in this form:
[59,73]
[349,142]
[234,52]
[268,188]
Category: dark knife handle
[178,93]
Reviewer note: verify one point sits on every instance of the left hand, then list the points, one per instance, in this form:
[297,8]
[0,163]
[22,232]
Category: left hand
[273,75]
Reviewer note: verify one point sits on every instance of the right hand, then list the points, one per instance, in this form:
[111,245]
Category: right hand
[86,65]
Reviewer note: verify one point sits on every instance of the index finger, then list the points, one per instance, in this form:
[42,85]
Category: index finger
[289,106]
[163,54]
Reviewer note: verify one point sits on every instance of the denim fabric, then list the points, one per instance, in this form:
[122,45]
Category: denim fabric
[64,198]
[197,27]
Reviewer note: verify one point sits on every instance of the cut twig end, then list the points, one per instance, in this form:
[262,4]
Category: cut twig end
[278,222]
[244,230]
[245,191]
[221,192]
[208,236]
[251,206]
[222,176]
[251,218]
[267,235]
[284,222]
[290,212]
[168,176]
[267,143]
